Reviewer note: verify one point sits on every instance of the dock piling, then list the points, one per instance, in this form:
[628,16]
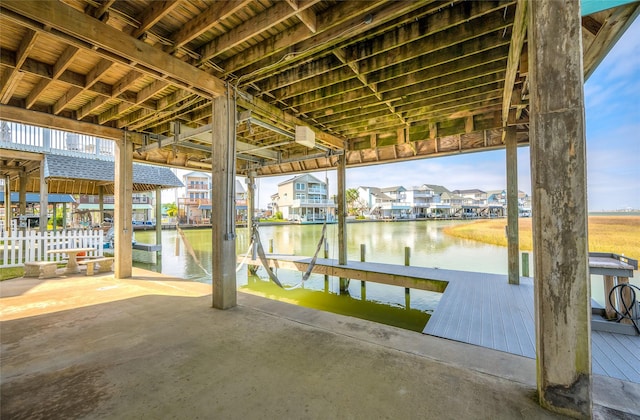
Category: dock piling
[525,264]
[363,284]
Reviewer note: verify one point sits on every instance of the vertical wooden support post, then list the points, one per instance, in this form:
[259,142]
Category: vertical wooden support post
[7,204]
[122,208]
[609,311]
[363,284]
[342,218]
[101,203]
[251,208]
[223,172]
[54,218]
[525,264]
[22,194]
[512,205]
[326,255]
[625,303]
[558,177]
[158,216]
[64,216]
[44,198]
[407,262]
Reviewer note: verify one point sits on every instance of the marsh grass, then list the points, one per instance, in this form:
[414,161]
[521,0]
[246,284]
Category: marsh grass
[616,234]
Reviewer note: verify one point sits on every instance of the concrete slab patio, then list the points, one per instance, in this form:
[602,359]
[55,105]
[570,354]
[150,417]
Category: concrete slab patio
[152,347]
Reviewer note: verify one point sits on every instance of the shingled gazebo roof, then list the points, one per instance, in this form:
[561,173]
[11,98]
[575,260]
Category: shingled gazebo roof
[73,175]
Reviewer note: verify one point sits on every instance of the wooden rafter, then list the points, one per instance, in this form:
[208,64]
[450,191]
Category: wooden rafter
[515,51]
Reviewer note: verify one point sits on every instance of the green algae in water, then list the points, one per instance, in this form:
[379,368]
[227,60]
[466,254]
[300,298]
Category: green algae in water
[343,304]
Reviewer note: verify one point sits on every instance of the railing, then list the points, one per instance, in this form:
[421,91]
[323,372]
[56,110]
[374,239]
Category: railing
[320,202]
[18,247]
[36,139]
[109,199]
[198,187]
[317,190]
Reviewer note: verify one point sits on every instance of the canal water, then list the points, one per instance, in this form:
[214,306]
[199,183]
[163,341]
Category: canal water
[189,257]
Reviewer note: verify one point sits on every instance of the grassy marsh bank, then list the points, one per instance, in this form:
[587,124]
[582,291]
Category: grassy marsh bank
[617,234]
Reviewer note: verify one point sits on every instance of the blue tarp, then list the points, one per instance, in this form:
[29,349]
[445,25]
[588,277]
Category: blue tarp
[593,6]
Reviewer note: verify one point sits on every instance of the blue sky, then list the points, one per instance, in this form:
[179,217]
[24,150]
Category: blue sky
[612,100]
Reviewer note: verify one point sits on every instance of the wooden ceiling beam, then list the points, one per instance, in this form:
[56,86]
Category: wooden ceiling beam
[61,64]
[10,79]
[345,21]
[40,119]
[304,72]
[425,67]
[156,11]
[617,22]
[306,16]
[114,44]
[91,79]
[212,16]
[274,15]
[126,82]
[518,35]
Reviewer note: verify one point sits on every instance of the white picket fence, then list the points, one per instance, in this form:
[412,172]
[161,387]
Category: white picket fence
[18,247]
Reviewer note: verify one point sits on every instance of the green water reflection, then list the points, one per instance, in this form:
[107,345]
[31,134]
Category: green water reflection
[384,241]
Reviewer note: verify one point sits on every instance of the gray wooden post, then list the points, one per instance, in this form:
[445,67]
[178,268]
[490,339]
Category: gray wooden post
[326,255]
[342,213]
[525,264]
[101,203]
[223,169]
[44,198]
[512,205]
[558,178]
[122,213]
[64,216]
[158,216]
[7,203]
[54,218]
[22,194]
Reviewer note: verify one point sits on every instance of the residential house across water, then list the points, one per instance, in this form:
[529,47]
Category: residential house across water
[304,199]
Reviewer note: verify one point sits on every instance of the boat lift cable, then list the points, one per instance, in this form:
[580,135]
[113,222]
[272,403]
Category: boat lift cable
[627,307]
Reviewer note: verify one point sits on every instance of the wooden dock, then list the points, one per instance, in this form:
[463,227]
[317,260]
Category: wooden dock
[492,313]
[478,308]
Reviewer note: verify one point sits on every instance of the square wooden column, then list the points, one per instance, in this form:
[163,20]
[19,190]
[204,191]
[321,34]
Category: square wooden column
[342,217]
[223,170]
[44,197]
[122,208]
[158,216]
[7,203]
[512,206]
[558,176]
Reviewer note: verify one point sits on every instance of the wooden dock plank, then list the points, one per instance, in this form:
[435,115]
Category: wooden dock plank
[481,309]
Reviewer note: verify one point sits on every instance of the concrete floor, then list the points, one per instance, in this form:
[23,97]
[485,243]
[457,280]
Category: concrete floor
[151,347]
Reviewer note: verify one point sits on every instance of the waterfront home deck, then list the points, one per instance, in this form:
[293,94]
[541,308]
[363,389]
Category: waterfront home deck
[479,308]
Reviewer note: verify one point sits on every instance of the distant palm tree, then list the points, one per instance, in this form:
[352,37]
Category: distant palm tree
[171,209]
[352,196]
